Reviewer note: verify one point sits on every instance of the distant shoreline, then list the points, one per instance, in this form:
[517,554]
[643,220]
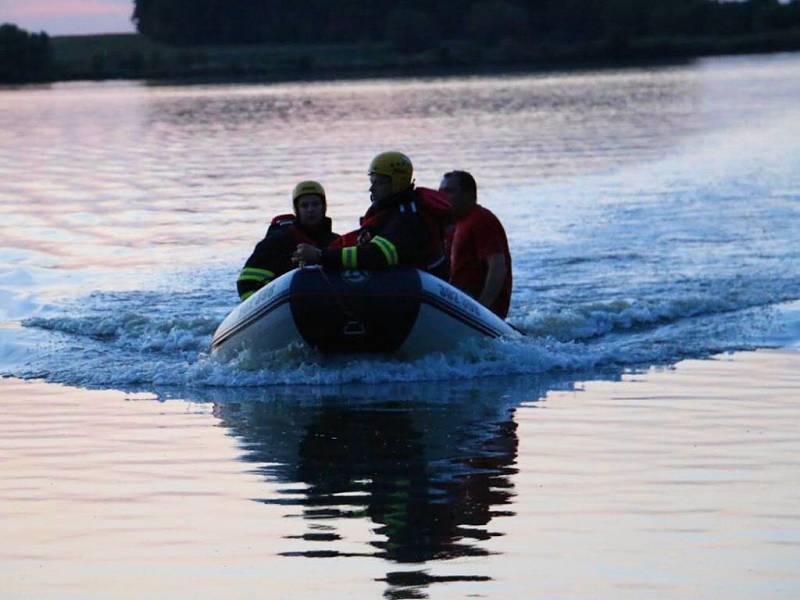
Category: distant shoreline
[132,56]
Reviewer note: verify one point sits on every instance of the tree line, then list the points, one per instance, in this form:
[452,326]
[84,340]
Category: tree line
[273,38]
[414,25]
[24,56]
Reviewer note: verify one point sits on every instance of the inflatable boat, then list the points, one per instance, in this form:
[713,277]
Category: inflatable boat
[403,311]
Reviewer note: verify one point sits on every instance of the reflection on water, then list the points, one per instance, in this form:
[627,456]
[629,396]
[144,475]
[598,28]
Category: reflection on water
[140,170]
[648,485]
[395,466]
[649,211]
[430,467]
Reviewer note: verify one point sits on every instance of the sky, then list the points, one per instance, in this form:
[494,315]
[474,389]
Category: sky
[68,17]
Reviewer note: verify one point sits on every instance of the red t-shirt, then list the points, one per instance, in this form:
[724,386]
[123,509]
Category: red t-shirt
[479,235]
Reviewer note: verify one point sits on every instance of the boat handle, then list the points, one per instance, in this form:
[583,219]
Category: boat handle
[354,328]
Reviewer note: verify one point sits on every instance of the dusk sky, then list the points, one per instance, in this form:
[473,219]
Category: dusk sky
[65,17]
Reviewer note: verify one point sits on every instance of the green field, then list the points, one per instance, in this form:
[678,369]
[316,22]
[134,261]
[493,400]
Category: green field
[132,56]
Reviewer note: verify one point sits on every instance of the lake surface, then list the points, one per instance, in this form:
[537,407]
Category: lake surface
[641,441]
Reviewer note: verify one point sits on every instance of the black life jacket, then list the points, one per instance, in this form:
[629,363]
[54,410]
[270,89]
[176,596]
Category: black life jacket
[436,212]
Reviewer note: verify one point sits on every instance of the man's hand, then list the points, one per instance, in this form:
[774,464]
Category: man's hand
[306,254]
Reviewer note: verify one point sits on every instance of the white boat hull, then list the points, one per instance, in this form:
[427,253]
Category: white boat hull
[399,311]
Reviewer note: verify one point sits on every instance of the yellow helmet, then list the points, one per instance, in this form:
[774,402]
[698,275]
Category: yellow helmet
[395,165]
[307,187]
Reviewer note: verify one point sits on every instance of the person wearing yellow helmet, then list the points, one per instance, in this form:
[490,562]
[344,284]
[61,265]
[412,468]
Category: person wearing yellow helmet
[389,173]
[272,255]
[402,227]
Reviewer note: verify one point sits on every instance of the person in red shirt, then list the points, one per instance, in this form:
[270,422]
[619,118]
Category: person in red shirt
[480,262]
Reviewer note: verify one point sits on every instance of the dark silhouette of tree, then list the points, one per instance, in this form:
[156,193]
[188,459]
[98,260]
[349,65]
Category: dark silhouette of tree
[24,56]
[414,25]
[496,20]
[410,30]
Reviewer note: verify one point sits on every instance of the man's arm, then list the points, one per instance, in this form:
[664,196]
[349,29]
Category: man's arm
[395,245]
[379,253]
[495,277]
[265,263]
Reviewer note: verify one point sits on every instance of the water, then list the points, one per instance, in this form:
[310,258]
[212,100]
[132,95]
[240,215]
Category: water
[652,214]
[653,217]
[664,484]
